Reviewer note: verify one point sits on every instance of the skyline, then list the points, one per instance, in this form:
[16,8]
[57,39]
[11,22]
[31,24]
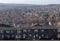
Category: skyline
[36,2]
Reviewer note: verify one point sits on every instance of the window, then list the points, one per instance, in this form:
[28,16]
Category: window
[1,31]
[42,30]
[18,36]
[29,30]
[24,30]
[12,31]
[58,30]
[35,30]
[24,35]
[18,31]
[8,36]
[30,35]
[7,31]
[42,35]
[36,35]
[1,36]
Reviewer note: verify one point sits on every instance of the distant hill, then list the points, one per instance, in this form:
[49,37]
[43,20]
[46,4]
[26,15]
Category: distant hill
[5,5]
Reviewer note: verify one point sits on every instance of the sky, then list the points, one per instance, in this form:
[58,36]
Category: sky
[38,2]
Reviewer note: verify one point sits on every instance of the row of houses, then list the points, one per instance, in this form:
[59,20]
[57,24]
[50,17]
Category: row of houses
[29,34]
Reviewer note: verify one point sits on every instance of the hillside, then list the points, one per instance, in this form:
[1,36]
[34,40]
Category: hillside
[27,15]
